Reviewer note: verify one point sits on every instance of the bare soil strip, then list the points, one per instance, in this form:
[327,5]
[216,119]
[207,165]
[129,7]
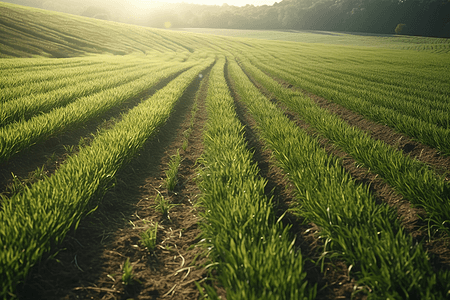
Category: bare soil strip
[89,264]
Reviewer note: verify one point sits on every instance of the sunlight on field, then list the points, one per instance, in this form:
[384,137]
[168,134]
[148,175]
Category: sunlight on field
[303,145]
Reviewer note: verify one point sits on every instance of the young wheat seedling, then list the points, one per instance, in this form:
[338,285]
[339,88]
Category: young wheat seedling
[185,145]
[128,277]
[70,149]
[148,238]
[163,206]
[171,174]
[16,185]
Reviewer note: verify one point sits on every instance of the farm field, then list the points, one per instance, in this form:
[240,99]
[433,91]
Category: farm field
[389,41]
[187,164]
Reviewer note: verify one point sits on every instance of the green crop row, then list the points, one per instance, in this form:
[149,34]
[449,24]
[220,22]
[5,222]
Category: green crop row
[389,74]
[426,132]
[23,65]
[33,221]
[413,74]
[424,105]
[384,259]
[24,108]
[26,77]
[253,253]
[56,71]
[366,77]
[381,83]
[34,88]
[413,179]
[20,135]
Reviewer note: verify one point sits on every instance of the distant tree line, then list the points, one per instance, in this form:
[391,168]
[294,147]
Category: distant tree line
[412,17]
[418,17]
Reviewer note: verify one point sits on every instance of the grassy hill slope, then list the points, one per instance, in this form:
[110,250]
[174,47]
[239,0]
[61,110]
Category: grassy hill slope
[30,32]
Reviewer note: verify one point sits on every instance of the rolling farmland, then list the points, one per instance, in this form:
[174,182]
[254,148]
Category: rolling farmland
[149,164]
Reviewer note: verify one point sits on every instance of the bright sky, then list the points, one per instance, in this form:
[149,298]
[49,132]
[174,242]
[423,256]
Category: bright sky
[220,2]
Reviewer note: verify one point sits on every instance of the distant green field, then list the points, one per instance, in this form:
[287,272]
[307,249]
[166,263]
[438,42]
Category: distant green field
[392,41]
[59,72]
